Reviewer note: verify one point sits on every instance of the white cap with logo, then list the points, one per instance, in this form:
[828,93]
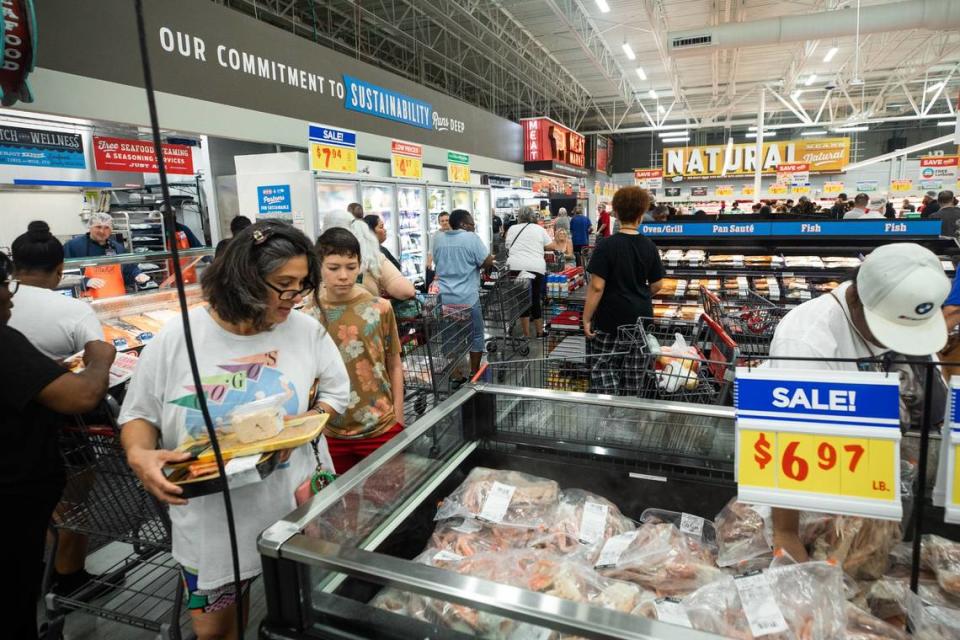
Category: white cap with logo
[902,287]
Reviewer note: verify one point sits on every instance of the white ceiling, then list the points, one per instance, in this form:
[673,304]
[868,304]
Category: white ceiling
[722,87]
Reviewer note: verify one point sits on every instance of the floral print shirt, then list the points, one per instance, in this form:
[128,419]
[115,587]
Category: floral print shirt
[365,330]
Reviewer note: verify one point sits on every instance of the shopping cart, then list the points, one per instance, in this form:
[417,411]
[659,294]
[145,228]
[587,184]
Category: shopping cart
[504,300]
[435,343]
[751,321]
[104,500]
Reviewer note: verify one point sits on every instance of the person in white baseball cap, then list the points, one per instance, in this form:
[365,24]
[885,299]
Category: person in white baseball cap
[891,304]
[875,208]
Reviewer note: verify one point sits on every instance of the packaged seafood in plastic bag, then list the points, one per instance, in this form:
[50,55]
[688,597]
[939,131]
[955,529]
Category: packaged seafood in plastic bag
[503,497]
[467,537]
[931,622]
[863,626]
[744,536]
[700,530]
[582,523]
[658,558]
[861,545]
[943,557]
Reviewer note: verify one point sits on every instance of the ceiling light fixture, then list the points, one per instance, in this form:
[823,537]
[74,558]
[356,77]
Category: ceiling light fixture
[815,132]
[856,128]
[652,94]
[641,73]
[934,87]
[674,134]
[628,51]
[830,53]
[796,94]
[766,134]
[680,139]
[603,6]
[810,80]
[660,109]
[945,123]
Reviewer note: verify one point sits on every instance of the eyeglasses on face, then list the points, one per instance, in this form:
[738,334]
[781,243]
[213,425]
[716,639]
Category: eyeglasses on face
[12,285]
[291,294]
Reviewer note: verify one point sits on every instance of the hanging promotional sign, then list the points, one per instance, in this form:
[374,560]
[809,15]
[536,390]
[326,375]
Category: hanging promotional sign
[40,148]
[698,192]
[137,156]
[777,189]
[724,190]
[800,190]
[940,170]
[821,440]
[19,48]
[868,186]
[332,149]
[672,192]
[821,156]
[406,160]
[920,229]
[794,174]
[648,178]
[609,190]
[273,199]
[550,146]
[747,191]
[832,187]
[901,186]
[458,167]
[601,152]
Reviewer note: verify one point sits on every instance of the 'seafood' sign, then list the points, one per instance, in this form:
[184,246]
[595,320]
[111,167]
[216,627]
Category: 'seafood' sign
[820,440]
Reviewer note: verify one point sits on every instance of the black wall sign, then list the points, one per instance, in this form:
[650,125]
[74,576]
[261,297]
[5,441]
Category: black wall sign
[209,52]
[671,192]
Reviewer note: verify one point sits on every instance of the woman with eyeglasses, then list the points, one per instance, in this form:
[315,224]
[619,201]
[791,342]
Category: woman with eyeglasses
[251,343]
[34,393]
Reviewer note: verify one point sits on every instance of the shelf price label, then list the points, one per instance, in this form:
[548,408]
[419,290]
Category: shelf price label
[332,149]
[406,160]
[821,440]
[458,167]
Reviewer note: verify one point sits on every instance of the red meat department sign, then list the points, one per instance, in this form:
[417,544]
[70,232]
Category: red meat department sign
[137,156]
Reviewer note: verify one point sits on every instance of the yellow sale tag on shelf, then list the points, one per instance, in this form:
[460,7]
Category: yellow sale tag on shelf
[832,187]
[820,440]
[324,157]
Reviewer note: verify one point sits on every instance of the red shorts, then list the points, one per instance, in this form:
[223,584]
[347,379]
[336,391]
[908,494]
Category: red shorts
[348,452]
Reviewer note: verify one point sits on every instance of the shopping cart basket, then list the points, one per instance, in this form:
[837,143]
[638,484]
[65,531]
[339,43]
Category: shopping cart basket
[435,343]
[750,322]
[504,300]
[103,499]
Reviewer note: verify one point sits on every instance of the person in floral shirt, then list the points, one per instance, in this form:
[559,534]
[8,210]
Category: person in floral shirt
[365,330]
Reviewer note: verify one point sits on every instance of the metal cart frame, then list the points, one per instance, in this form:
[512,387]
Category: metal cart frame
[504,302]
[751,322]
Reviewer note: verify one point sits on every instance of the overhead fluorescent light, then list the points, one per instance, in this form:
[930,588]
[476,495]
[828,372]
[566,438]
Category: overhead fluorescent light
[674,134]
[766,134]
[641,73]
[796,94]
[857,128]
[934,87]
[628,51]
[652,94]
[946,123]
[603,6]
[830,53]
[810,80]
[680,139]
[815,132]
[660,109]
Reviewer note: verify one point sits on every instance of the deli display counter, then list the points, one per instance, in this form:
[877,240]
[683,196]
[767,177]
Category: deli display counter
[337,566]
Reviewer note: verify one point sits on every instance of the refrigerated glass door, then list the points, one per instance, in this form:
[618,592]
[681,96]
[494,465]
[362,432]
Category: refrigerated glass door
[438,199]
[481,214]
[378,200]
[461,199]
[334,196]
[412,227]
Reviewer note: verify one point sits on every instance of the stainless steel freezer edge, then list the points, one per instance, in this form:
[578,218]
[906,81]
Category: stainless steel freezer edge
[512,602]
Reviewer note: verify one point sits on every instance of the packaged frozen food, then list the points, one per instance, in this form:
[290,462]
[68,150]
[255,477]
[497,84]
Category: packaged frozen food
[503,497]
[744,535]
[258,420]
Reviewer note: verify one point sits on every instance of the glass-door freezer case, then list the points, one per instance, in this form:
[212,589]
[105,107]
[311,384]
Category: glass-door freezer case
[412,231]
[338,566]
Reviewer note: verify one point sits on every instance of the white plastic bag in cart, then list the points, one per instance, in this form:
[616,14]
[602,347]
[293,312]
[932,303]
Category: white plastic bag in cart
[678,366]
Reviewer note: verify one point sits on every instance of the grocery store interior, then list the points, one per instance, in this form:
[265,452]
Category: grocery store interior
[513,319]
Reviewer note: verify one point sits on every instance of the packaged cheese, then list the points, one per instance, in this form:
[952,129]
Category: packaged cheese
[258,420]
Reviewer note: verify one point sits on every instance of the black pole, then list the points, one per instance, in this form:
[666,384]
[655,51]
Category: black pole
[921,486]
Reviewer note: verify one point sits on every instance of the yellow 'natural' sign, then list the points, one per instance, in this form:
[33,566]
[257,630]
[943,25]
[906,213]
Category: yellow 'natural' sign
[823,156]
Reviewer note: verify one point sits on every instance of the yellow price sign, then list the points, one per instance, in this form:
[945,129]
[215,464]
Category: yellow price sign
[747,191]
[901,186]
[407,167]
[800,189]
[842,466]
[458,173]
[832,187]
[724,191]
[778,189]
[325,157]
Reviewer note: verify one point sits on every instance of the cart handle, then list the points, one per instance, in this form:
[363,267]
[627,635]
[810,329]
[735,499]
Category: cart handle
[720,331]
[483,369]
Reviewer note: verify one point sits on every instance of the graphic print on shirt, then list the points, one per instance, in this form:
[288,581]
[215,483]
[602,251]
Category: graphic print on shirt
[242,380]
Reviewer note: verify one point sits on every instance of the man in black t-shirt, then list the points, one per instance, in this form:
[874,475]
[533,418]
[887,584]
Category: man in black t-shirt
[625,273]
[34,390]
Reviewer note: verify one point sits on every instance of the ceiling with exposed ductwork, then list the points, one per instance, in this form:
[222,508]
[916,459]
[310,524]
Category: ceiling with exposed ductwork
[570,59]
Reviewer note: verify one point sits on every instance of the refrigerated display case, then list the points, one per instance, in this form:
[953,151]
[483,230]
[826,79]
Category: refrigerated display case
[335,196]
[438,199]
[461,199]
[481,213]
[412,230]
[330,565]
[379,199]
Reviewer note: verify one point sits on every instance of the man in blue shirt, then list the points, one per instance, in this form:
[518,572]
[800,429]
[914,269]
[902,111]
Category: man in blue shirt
[580,229]
[459,255]
[99,242]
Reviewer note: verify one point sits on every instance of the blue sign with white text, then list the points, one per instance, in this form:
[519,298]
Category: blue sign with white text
[706,229]
[833,402]
[332,136]
[274,199]
[805,228]
[41,148]
[383,103]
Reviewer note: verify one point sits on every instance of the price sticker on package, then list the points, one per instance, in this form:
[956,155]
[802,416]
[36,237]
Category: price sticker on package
[820,440]
[593,522]
[497,502]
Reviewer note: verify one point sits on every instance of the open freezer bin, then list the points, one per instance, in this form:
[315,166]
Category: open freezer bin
[327,561]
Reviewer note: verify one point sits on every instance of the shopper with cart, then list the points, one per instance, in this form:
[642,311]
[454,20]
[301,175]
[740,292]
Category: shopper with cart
[625,273]
[35,393]
[580,230]
[526,243]
[460,256]
[365,330]
[251,345]
[893,303]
